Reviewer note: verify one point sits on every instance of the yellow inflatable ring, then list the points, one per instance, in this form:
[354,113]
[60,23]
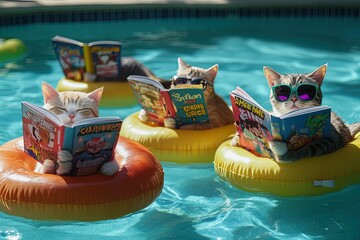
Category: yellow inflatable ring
[11,49]
[116,94]
[94,197]
[174,145]
[309,176]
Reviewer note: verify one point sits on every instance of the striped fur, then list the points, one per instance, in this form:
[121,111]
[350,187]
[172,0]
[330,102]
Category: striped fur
[130,66]
[340,134]
[219,112]
[71,106]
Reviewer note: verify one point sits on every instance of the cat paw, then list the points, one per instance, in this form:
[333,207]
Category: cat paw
[279,148]
[64,162]
[49,167]
[143,116]
[170,123]
[235,141]
[110,168]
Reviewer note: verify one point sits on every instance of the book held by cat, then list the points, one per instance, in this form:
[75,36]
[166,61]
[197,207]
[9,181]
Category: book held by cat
[256,126]
[185,103]
[95,61]
[91,141]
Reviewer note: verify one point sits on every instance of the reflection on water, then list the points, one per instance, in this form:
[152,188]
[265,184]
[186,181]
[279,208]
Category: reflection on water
[195,204]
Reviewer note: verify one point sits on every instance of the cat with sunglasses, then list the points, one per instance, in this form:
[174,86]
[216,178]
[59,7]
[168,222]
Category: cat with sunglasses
[289,92]
[218,110]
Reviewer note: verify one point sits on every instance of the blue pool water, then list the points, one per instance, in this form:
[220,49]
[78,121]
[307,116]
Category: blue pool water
[194,203]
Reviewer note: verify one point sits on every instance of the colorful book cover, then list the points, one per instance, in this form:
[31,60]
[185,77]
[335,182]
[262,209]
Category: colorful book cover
[186,103]
[106,58]
[147,94]
[95,61]
[42,136]
[91,145]
[91,141]
[256,126]
[253,125]
[299,130]
[70,54]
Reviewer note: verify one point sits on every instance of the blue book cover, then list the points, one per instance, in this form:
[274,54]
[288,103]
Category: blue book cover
[188,105]
[91,144]
[301,127]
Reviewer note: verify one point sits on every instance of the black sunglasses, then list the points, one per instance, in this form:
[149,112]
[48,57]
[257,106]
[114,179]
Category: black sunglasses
[196,80]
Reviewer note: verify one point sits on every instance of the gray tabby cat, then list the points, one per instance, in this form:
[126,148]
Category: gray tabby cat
[130,66]
[71,106]
[218,111]
[340,133]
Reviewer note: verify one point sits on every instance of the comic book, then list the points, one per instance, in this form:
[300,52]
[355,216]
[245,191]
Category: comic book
[256,126]
[95,61]
[185,103]
[91,141]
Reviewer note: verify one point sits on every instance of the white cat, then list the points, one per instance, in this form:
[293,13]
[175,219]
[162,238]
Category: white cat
[71,106]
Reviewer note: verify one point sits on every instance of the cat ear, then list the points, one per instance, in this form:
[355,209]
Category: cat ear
[319,74]
[182,64]
[271,75]
[212,71]
[96,94]
[49,93]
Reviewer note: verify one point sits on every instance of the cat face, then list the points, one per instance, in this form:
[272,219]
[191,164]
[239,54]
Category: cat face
[298,90]
[191,72]
[71,106]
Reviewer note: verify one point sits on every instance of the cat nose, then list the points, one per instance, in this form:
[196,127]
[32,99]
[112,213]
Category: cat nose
[71,116]
[294,99]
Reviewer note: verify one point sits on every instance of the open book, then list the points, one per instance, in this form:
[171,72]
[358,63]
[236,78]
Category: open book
[100,60]
[185,103]
[256,126]
[91,141]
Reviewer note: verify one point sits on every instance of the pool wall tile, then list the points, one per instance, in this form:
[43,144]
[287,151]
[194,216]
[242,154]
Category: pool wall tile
[88,15]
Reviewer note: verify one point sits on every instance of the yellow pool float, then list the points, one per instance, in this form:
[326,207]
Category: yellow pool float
[309,176]
[11,49]
[176,145]
[116,94]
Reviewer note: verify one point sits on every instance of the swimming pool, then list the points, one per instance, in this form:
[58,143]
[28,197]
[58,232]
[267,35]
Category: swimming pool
[194,203]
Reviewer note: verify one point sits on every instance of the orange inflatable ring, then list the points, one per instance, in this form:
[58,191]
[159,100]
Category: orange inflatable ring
[95,197]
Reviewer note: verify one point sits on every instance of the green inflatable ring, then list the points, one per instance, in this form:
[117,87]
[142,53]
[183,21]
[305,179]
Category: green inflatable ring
[11,49]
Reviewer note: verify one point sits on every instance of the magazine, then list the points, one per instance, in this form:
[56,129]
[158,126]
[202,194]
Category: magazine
[95,61]
[91,141]
[256,126]
[185,103]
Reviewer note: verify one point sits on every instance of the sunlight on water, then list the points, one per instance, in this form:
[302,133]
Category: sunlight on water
[195,203]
